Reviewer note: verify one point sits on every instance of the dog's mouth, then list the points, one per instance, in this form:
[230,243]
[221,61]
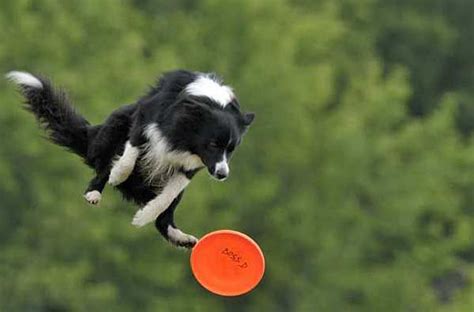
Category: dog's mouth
[219,175]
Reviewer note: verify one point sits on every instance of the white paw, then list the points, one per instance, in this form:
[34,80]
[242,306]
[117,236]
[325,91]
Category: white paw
[93,197]
[119,173]
[143,217]
[180,239]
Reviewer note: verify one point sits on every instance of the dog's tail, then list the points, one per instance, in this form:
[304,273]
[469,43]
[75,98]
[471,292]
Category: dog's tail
[54,112]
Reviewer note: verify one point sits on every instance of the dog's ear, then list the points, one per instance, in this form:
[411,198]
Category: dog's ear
[245,121]
[248,118]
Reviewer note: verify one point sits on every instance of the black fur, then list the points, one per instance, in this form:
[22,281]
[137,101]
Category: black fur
[193,124]
[53,111]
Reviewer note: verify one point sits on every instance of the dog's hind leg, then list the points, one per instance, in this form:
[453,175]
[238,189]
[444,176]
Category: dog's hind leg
[166,226]
[123,167]
[93,193]
[109,140]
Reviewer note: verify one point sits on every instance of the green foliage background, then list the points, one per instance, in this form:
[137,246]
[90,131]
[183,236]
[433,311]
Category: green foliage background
[356,179]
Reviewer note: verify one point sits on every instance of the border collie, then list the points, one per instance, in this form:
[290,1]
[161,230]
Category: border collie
[149,150]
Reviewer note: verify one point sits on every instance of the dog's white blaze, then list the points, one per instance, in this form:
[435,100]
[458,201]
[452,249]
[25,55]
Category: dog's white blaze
[160,159]
[206,86]
[176,184]
[223,166]
[177,236]
[25,79]
[123,167]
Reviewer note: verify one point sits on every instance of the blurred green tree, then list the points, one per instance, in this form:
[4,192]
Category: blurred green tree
[358,205]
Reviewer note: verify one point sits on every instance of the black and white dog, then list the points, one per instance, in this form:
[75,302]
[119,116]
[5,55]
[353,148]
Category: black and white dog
[149,150]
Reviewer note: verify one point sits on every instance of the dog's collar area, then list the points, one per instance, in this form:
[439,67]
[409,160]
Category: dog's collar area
[189,173]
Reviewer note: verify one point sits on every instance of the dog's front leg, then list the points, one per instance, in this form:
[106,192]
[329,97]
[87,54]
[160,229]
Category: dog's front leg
[123,167]
[175,185]
[166,226]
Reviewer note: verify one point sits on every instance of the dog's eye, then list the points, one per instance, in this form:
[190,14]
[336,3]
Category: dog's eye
[213,145]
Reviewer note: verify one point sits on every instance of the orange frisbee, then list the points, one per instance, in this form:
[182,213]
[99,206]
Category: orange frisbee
[227,263]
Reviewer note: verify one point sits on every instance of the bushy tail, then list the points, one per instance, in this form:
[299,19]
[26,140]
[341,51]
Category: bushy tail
[54,112]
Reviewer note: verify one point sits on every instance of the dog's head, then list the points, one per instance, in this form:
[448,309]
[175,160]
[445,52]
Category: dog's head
[213,133]
[211,124]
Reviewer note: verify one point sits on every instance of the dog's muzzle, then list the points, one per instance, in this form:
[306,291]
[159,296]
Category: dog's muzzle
[222,171]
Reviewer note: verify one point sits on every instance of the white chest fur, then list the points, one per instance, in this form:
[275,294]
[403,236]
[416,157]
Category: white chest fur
[160,160]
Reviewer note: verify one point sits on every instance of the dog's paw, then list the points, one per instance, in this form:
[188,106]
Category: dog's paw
[119,173]
[143,217]
[93,197]
[180,239]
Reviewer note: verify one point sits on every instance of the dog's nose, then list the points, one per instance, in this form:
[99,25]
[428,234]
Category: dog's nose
[222,170]
[221,175]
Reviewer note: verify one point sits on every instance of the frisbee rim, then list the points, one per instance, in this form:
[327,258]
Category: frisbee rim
[247,239]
